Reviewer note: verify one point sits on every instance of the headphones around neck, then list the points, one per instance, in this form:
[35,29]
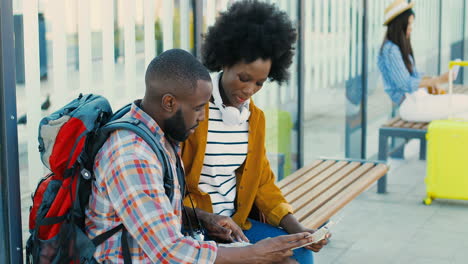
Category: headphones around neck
[230,115]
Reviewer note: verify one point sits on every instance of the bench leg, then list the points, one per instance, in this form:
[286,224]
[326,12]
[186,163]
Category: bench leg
[422,149]
[383,150]
[382,184]
[400,152]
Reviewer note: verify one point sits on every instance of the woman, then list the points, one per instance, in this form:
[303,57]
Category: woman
[402,81]
[225,160]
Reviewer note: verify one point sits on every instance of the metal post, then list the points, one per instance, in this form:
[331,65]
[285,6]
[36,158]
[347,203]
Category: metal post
[364,82]
[300,82]
[462,76]
[10,203]
[440,37]
[198,26]
[382,156]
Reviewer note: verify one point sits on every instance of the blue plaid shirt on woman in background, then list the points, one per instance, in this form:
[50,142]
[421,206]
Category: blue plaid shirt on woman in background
[129,189]
[397,79]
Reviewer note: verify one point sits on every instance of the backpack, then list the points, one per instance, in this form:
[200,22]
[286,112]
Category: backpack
[69,139]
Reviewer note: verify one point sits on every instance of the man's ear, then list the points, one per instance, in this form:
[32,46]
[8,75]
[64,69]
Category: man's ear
[169,102]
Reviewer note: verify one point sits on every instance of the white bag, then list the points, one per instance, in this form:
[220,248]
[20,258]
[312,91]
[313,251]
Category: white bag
[420,106]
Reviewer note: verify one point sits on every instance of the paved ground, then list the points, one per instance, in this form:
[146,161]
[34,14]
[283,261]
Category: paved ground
[396,227]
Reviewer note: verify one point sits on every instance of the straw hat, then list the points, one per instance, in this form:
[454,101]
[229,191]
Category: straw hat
[395,9]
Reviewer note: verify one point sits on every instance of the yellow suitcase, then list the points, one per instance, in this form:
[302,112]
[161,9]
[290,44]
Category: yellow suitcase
[447,160]
[447,157]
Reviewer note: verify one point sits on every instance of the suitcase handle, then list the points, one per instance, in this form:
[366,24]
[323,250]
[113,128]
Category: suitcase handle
[451,64]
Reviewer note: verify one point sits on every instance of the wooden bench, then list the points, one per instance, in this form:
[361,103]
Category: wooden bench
[319,190]
[398,128]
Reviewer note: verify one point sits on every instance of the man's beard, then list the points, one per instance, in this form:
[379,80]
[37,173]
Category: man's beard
[175,127]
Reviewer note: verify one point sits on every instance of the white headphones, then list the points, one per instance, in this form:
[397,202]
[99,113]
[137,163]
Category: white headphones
[231,115]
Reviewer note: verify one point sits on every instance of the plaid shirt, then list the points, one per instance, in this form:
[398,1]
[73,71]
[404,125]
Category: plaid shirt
[129,190]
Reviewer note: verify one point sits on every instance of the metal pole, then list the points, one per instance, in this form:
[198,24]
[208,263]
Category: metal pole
[364,82]
[462,76]
[198,26]
[10,204]
[440,37]
[300,82]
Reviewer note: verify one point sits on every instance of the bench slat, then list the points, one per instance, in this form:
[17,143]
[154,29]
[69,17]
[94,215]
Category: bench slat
[398,124]
[419,125]
[306,194]
[325,212]
[301,179]
[408,124]
[311,184]
[392,121]
[326,196]
[298,173]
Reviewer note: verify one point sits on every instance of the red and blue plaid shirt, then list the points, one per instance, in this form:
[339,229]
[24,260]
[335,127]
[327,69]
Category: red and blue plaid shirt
[129,189]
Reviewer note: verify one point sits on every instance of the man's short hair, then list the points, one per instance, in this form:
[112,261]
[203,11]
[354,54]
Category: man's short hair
[176,65]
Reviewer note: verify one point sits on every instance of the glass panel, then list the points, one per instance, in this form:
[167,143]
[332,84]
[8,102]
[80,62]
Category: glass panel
[379,105]
[353,84]
[452,33]
[279,104]
[333,90]
[426,36]
[69,84]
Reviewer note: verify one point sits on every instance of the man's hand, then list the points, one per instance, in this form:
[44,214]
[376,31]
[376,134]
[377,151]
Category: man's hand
[279,249]
[267,251]
[222,228]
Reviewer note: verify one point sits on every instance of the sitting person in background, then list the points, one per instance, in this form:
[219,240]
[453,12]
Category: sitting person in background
[225,160]
[403,83]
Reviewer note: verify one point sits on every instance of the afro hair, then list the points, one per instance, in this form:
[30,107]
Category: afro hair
[247,31]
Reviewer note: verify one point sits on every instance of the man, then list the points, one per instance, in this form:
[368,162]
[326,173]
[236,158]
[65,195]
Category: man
[129,186]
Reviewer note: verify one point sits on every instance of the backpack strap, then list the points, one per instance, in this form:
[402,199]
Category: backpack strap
[139,128]
[153,141]
[126,251]
[106,235]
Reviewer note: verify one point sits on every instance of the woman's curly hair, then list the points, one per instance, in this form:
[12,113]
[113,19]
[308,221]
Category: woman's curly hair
[247,31]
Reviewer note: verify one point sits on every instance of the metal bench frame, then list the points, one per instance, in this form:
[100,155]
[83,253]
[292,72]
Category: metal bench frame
[397,128]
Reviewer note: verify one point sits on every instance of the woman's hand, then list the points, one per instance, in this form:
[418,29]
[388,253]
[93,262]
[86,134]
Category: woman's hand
[316,247]
[443,78]
[292,225]
[433,82]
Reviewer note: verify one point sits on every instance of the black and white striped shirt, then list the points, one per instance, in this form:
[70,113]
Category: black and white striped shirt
[226,150]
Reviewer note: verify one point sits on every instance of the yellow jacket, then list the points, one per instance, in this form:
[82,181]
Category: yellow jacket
[255,179]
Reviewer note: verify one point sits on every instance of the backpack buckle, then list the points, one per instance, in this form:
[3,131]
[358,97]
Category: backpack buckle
[86,174]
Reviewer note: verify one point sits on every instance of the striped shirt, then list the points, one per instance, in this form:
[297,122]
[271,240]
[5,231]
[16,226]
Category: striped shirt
[129,190]
[397,79]
[226,150]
